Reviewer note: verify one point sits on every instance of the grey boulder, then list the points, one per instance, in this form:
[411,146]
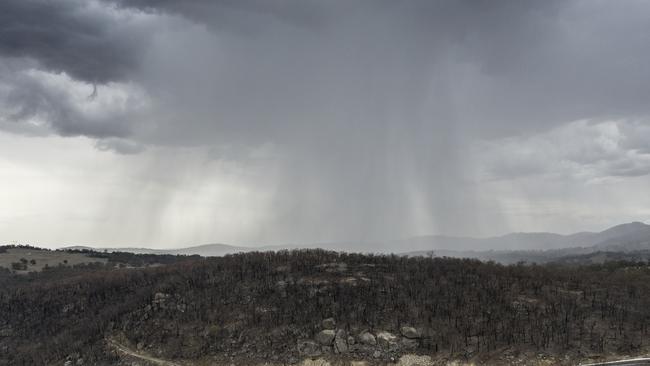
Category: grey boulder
[325,337]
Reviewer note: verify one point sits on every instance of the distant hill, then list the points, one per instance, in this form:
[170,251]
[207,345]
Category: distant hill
[207,250]
[604,257]
[508,248]
[626,237]
[543,247]
[633,236]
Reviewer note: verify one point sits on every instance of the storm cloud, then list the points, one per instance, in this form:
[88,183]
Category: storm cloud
[85,39]
[369,119]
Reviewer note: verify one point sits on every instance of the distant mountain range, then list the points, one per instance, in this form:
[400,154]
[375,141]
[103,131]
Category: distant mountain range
[207,250]
[619,237]
[546,247]
[629,237]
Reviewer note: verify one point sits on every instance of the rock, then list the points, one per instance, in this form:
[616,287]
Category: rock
[328,323]
[409,344]
[325,337]
[317,362]
[67,308]
[387,340]
[160,296]
[413,360]
[367,338]
[6,331]
[282,288]
[308,348]
[340,342]
[410,332]
[160,300]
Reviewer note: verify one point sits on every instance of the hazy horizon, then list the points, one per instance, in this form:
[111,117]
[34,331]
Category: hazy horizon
[289,244]
[171,124]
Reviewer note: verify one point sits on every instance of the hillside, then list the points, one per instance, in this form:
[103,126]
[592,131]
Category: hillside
[285,307]
[27,259]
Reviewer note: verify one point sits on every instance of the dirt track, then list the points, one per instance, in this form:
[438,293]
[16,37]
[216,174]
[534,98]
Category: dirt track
[129,352]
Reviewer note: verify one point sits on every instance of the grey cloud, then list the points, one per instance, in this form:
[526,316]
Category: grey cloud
[637,135]
[502,68]
[120,146]
[244,17]
[582,150]
[494,68]
[629,167]
[584,59]
[47,49]
[373,107]
[71,36]
[39,103]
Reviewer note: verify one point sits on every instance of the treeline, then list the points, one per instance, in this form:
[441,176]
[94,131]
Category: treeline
[135,260]
[249,304]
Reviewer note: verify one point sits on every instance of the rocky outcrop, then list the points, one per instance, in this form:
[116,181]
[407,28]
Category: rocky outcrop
[308,348]
[341,342]
[328,323]
[408,344]
[325,337]
[387,340]
[410,332]
[166,301]
[6,331]
[367,338]
[160,297]
[361,342]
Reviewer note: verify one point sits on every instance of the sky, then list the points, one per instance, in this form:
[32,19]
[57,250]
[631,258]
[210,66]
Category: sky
[254,122]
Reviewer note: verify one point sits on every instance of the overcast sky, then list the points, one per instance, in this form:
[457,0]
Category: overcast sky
[172,123]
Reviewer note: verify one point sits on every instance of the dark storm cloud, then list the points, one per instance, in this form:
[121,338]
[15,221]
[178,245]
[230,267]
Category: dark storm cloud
[70,36]
[507,66]
[33,101]
[510,66]
[239,16]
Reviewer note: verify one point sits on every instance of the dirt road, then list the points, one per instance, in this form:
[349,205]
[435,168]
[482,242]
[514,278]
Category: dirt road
[632,362]
[132,353]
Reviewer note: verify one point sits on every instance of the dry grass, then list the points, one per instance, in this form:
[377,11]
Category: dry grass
[44,258]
